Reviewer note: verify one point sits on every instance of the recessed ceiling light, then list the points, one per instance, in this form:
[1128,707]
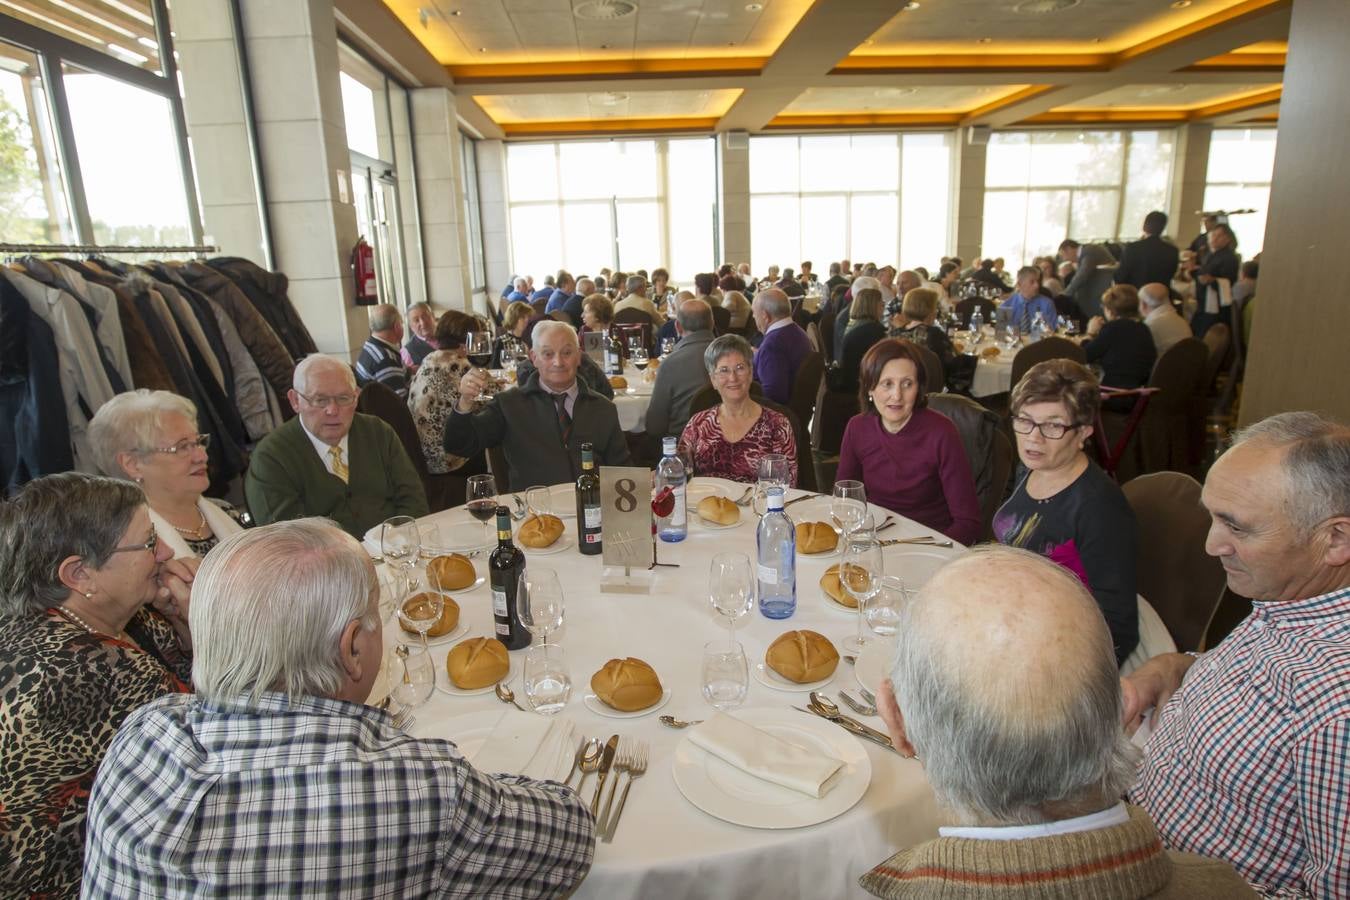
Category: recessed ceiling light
[896,91]
[604,10]
[422,16]
[985,41]
[912,5]
[1180,4]
[754,7]
[1041,7]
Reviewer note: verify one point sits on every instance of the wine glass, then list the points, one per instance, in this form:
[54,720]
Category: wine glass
[548,686]
[481,498]
[882,610]
[401,545]
[848,504]
[771,471]
[667,345]
[478,347]
[860,574]
[731,589]
[414,676]
[418,612]
[539,601]
[638,356]
[726,675]
[634,341]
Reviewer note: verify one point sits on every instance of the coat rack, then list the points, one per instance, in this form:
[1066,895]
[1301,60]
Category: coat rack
[199,250]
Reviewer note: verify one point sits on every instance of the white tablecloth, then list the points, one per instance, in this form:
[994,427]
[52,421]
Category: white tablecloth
[993,376]
[665,847]
[632,402]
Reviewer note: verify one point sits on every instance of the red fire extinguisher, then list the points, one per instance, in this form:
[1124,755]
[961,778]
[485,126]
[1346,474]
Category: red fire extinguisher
[363,270]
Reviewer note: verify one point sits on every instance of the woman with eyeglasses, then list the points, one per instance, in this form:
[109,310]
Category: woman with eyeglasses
[729,440]
[150,437]
[1065,507]
[93,624]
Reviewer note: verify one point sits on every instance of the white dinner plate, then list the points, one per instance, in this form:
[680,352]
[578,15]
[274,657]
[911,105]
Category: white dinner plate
[446,686]
[874,663]
[558,546]
[598,706]
[412,637]
[725,792]
[769,678]
[468,732]
[563,500]
[914,565]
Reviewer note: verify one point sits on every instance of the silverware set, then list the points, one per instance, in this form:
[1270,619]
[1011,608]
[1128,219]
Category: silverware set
[628,756]
[825,708]
[923,541]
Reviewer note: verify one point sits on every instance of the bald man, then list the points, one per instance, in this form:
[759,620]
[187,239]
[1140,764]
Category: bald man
[1005,687]
[380,359]
[1166,324]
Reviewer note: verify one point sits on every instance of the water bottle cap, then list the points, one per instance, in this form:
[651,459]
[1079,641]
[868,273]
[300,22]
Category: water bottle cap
[668,445]
[775,497]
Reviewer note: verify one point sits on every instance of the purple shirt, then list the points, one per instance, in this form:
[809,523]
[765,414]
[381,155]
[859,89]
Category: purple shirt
[778,358]
[921,472]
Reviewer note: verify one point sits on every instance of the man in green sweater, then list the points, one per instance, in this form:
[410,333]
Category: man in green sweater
[1005,687]
[331,461]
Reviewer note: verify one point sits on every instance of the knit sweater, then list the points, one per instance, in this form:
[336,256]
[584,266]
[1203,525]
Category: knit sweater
[1121,862]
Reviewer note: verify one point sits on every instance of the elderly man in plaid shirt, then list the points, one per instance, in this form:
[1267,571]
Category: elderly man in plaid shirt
[276,779]
[1250,758]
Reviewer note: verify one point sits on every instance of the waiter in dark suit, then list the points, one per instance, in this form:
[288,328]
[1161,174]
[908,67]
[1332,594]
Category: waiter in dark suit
[1200,246]
[1221,262]
[1151,259]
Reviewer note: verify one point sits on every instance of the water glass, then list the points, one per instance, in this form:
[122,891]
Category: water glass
[882,610]
[667,345]
[413,673]
[731,588]
[849,504]
[401,545]
[771,471]
[539,601]
[726,675]
[548,686]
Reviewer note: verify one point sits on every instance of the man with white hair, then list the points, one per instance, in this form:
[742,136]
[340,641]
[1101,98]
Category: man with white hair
[1166,324]
[276,779]
[330,460]
[541,424]
[1005,687]
[380,359]
[1248,758]
[637,299]
[784,347]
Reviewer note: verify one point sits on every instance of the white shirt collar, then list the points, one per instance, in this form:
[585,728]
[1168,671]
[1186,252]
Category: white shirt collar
[781,323]
[1106,818]
[321,448]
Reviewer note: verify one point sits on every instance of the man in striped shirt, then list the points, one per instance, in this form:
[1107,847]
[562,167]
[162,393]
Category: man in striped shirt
[380,359]
[1250,757]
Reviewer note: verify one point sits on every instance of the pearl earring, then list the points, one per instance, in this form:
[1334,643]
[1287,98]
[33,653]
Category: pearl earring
[89,595]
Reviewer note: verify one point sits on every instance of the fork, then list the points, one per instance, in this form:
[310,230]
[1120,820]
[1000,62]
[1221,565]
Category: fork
[637,767]
[623,762]
[862,709]
[868,696]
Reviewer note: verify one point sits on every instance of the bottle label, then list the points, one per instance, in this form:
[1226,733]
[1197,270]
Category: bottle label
[592,519]
[504,535]
[504,630]
[593,538]
[678,514]
[768,574]
[499,602]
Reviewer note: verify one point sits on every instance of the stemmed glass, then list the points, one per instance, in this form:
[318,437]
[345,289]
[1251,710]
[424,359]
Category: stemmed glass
[478,347]
[848,504]
[860,574]
[418,612]
[772,471]
[726,675]
[638,356]
[400,545]
[413,685]
[539,600]
[481,498]
[731,590]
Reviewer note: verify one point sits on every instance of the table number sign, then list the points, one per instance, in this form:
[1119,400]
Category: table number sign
[626,521]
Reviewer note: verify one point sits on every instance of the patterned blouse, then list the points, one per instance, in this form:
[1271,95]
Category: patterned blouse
[716,457]
[63,694]
[432,395]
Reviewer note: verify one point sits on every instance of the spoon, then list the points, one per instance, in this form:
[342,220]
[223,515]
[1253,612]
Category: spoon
[591,761]
[589,747]
[672,722]
[506,695]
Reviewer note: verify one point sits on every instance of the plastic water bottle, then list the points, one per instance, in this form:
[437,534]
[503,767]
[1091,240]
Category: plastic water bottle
[776,543]
[670,473]
[1038,326]
[976,323]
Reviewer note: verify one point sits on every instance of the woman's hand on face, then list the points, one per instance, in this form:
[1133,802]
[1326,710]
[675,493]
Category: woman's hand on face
[174,597]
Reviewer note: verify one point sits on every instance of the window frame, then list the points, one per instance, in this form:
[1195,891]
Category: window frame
[1245,247]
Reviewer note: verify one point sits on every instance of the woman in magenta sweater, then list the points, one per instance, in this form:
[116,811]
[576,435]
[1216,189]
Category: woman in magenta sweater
[909,457]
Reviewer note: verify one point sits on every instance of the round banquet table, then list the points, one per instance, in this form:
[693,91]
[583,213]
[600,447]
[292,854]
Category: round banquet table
[665,846]
[993,375]
[632,402]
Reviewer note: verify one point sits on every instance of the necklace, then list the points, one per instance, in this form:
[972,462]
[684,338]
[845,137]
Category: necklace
[77,620]
[195,533]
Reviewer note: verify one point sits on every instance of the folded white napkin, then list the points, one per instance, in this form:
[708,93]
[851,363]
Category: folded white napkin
[531,745]
[767,757]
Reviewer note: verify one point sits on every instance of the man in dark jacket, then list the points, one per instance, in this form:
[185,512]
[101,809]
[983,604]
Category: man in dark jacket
[542,424]
[683,372]
[1151,259]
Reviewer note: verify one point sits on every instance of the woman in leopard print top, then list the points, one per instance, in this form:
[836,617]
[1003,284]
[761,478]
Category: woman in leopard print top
[93,624]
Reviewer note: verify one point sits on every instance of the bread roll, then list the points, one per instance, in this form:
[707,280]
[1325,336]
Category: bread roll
[444,625]
[719,511]
[477,663]
[452,572]
[540,531]
[816,537]
[990,352]
[618,382]
[626,684]
[834,589]
[802,656]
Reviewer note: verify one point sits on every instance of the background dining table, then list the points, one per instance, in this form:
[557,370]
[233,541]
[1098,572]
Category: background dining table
[665,846]
[632,401]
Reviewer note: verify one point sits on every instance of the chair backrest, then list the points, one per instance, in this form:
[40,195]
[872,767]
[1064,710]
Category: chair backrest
[378,400]
[1178,376]
[559,316]
[827,335]
[632,315]
[625,329]
[977,427]
[833,410]
[1038,352]
[935,378]
[1172,570]
[1217,340]
[721,320]
[806,385]
[813,332]
[539,306]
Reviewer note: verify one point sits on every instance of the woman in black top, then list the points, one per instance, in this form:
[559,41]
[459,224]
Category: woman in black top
[864,330]
[1066,508]
[1121,344]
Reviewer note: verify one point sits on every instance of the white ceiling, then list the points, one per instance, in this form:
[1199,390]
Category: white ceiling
[1166,96]
[511,108]
[924,98]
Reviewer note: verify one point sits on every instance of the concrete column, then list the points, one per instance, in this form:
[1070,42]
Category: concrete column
[1188,181]
[441,192]
[734,203]
[292,53]
[495,215]
[968,186]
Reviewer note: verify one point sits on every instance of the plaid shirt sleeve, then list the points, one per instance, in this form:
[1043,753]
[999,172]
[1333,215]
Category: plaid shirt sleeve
[1322,764]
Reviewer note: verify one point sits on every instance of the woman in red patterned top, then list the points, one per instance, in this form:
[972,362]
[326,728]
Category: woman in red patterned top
[728,440]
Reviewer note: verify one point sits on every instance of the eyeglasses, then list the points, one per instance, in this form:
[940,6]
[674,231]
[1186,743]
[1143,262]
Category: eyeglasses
[727,372]
[148,545]
[186,445]
[323,401]
[1050,430]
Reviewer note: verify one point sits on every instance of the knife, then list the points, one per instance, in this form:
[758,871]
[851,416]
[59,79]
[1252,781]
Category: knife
[798,500]
[853,726]
[924,541]
[606,760]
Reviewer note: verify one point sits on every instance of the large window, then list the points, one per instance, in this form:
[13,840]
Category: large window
[626,205]
[1044,186]
[93,145]
[1240,164]
[883,198]
[473,216]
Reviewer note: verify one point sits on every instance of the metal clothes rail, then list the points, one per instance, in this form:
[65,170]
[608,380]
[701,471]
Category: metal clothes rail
[200,250]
